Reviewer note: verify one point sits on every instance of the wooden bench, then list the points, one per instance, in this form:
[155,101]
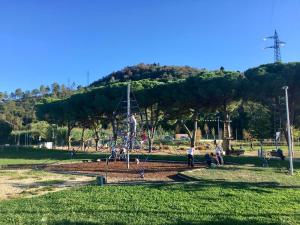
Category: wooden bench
[235,152]
[277,153]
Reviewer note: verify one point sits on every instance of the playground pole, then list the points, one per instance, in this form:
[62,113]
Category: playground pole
[289,129]
[128,124]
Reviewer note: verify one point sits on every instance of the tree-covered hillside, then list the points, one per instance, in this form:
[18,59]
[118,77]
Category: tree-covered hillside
[148,71]
[18,109]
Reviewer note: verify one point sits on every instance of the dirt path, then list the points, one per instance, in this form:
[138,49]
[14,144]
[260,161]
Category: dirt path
[28,183]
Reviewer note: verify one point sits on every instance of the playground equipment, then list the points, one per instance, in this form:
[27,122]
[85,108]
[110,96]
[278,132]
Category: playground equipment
[130,133]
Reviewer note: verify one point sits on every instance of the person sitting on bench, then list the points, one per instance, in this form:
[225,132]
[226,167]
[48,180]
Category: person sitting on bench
[72,153]
[123,153]
[215,159]
[279,153]
[208,159]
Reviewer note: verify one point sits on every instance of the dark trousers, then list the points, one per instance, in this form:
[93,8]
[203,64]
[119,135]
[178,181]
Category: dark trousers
[220,159]
[191,160]
[209,162]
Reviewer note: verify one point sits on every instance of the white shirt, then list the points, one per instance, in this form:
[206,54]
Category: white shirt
[190,151]
[219,150]
[132,121]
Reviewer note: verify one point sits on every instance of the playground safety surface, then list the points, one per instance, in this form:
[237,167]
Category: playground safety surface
[118,172]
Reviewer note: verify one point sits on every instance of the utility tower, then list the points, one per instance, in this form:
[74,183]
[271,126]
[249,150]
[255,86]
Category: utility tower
[276,46]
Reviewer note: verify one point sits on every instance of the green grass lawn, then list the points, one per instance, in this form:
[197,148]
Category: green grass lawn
[190,203]
[247,174]
[232,194]
[28,155]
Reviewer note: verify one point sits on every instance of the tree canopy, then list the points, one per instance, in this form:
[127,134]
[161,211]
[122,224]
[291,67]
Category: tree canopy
[168,96]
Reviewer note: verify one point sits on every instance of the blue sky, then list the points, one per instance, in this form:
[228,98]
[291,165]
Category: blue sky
[42,41]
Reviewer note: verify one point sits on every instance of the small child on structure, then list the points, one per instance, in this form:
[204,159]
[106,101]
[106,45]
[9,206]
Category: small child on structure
[133,123]
[113,153]
[137,161]
[143,138]
[190,153]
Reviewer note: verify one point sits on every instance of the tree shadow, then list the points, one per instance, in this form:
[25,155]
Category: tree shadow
[258,187]
[68,222]
[226,221]
[219,221]
[273,162]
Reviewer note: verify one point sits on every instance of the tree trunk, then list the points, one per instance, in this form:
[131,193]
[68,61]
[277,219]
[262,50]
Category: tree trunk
[150,144]
[192,134]
[150,136]
[82,139]
[227,133]
[69,137]
[96,140]
[193,139]
[189,134]
[152,123]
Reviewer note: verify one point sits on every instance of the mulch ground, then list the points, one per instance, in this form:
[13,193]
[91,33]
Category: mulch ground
[118,172]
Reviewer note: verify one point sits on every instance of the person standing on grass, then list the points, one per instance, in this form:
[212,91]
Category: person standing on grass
[72,153]
[190,153]
[219,154]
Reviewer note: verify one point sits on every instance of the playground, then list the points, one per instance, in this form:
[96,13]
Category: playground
[128,182]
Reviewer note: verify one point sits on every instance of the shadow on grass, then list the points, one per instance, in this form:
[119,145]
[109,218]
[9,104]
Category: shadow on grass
[67,222]
[273,162]
[215,221]
[281,170]
[226,221]
[258,187]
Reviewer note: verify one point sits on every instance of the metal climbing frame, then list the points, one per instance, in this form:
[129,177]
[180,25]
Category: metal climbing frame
[129,138]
